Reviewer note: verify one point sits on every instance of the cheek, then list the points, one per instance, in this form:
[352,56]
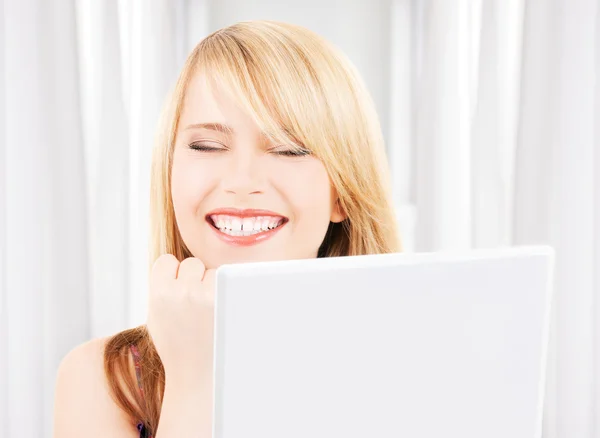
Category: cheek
[190,183]
[307,187]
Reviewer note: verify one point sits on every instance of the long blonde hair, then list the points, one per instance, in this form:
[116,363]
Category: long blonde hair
[301,90]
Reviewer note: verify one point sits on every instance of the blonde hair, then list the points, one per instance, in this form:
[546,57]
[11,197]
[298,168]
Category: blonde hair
[300,90]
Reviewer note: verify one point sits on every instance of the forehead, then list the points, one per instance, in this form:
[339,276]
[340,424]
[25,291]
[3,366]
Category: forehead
[205,103]
[212,102]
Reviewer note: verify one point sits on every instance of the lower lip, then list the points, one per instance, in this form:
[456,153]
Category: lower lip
[252,239]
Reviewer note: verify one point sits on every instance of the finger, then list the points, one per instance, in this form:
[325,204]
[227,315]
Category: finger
[165,266]
[191,270]
[209,274]
[164,269]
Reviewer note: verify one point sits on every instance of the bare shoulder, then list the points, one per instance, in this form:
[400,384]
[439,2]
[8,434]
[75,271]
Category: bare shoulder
[83,405]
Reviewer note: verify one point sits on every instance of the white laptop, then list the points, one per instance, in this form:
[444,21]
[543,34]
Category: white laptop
[429,345]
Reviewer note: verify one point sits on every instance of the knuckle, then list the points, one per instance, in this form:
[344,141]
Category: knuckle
[192,263]
[190,266]
[164,265]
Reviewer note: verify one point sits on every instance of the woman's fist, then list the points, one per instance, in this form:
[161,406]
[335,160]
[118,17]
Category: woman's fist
[181,316]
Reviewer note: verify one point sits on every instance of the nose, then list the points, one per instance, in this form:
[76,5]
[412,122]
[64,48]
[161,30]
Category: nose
[244,174]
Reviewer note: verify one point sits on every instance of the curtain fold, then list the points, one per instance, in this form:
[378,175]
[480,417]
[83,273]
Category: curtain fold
[107,164]
[556,196]
[3,232]
[441,143]
[46,270]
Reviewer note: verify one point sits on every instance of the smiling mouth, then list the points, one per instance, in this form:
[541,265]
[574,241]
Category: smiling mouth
[236,226]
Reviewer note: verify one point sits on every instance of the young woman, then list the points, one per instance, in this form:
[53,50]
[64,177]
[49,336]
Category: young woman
[270,149]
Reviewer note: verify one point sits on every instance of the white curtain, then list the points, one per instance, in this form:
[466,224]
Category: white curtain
[44,235]
[82,83]
[493,141]
[557,196]
[505,151]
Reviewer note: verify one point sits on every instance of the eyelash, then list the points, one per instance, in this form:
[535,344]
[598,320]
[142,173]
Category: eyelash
[286,153]
[204,148]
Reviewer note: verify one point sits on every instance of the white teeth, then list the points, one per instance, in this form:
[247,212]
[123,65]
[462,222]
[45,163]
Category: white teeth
[236,226]
[248,223]
[264,223]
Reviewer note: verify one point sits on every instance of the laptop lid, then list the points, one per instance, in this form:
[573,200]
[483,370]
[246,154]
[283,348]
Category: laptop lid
[447,344]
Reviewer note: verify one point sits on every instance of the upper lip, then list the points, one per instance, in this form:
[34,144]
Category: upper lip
[248,212]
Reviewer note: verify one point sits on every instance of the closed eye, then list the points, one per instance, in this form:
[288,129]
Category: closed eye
[292,152]
[204,147]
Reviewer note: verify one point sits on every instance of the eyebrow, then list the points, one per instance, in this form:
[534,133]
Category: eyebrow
[212,126]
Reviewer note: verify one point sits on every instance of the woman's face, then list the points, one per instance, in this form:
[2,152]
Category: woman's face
[238,197]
